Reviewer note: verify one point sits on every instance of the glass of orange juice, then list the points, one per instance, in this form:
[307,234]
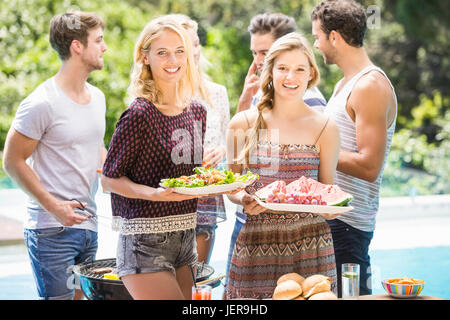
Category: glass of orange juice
[201,292]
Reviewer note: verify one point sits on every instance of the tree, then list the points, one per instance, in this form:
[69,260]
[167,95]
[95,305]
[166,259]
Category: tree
[411,43]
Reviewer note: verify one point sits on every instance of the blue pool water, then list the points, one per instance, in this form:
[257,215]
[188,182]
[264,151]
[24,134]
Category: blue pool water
[430,264]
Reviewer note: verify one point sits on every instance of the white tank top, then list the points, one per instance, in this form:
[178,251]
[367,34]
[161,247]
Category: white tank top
[366,194]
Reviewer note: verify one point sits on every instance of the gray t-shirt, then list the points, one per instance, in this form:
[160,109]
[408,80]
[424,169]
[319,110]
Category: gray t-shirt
[68,153]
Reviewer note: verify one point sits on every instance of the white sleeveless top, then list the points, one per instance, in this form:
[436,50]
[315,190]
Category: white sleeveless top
[366,194]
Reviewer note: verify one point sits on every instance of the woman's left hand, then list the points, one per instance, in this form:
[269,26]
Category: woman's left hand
[330,216]
[223,193]
[251,206]
[213,157]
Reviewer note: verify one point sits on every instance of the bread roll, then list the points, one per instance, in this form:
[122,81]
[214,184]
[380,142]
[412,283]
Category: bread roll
[299,298]
[315,284]
[287,290]
[291,276]
[327,295]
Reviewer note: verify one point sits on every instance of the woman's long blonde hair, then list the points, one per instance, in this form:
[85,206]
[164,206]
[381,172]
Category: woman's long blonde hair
[142,82]
[288,42]
[190,24]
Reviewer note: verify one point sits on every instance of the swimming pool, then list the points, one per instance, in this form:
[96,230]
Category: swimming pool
[430,264]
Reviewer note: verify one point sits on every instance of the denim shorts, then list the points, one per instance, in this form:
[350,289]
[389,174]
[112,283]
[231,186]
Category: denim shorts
[208,229]
[155,252]
[53,253]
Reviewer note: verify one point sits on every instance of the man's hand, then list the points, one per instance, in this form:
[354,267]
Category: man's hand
[64,212]
[251,86]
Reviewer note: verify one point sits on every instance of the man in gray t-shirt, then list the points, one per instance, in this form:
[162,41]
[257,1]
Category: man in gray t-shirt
[53,150]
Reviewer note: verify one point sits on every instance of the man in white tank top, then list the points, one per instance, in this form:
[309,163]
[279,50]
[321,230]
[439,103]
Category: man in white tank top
[364,106]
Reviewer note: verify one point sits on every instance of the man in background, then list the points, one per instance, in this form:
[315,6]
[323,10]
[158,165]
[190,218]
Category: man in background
[264,30]
[364,107]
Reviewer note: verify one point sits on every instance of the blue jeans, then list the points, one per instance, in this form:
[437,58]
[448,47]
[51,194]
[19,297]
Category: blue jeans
[351,245]
[53,253]
[237,228]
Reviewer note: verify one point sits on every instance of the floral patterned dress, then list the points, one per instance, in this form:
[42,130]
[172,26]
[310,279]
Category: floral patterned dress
[274,243]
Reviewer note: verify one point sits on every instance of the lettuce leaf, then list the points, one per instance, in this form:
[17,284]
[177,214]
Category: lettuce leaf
[196,180]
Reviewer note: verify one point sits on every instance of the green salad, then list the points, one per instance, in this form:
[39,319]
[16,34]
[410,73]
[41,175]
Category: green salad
[203,177]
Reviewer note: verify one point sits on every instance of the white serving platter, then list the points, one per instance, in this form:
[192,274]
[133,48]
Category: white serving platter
[304,208]
[212,189]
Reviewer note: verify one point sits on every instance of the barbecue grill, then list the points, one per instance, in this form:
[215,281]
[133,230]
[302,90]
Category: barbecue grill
[96,287]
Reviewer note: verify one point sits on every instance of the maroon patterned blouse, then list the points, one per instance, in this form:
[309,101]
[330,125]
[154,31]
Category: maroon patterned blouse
[148,146]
